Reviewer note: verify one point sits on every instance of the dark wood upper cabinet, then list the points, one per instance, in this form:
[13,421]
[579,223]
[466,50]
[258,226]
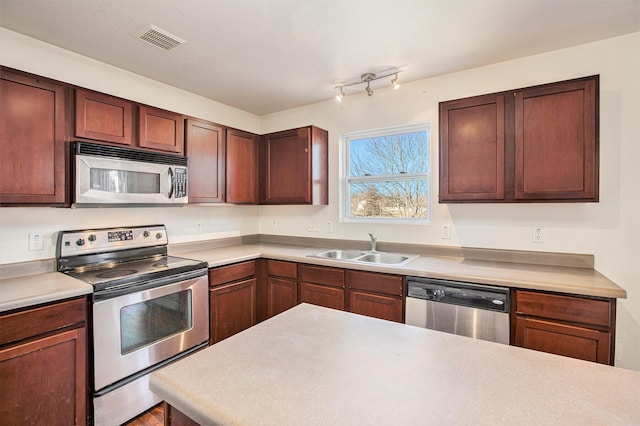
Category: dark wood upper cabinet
[103,117]
[293,167]
[32,140]
[205,149]
[472,149]
[532,144]
[556,141]
[160,130]
[241,167]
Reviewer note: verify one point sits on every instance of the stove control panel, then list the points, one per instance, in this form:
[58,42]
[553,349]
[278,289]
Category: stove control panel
[73,243]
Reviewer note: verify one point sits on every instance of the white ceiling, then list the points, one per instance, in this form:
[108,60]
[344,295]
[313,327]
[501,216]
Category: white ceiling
[264,56]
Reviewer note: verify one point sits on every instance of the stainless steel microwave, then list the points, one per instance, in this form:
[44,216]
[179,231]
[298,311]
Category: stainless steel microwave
[110,176]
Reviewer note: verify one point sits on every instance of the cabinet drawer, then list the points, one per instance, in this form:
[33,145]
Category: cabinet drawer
[562,339]
[230,273]
[322,275]
[379,283]
[282,269]
[564,308]
[32,322]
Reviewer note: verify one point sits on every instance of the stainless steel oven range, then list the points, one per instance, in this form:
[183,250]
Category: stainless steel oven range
[149,309]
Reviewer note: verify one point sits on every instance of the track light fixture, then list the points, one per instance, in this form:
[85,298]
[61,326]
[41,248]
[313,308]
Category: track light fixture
[394,82]
[368,78]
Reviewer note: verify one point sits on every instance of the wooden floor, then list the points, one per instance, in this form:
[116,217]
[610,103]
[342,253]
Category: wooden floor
[153,417]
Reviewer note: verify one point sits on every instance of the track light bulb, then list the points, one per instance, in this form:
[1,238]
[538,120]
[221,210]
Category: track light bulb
[369,91]
[394,83]
[340,95]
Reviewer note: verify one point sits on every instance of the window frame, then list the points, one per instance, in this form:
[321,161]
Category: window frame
[346,180]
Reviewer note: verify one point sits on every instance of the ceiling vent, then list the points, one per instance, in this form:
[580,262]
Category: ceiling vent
[159,37]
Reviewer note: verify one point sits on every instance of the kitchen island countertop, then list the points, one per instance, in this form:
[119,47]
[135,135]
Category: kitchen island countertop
[312,365]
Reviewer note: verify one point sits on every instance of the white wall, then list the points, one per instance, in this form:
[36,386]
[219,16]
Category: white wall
[609,229]
[27,54]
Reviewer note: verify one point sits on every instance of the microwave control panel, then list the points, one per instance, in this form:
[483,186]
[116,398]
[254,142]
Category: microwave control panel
[180,182]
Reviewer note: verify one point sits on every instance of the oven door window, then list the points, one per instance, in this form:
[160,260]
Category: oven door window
[145,323]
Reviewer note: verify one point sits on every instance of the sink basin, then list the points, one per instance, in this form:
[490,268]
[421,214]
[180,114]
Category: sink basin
[370,257]
[386,258]
[340,254]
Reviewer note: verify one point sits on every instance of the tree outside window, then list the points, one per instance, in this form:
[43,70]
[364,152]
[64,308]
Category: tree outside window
[387,175]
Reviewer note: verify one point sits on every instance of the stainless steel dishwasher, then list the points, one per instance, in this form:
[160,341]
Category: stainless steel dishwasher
[472,310]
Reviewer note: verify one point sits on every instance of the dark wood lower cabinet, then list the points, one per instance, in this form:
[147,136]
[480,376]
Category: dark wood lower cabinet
[366,293]
[175,417]
[563,339]
[232,309]
[232,300]
[376,305]
[322,286]
[282,294]
[322,295]
[43,365]
[282,286]
[573,326]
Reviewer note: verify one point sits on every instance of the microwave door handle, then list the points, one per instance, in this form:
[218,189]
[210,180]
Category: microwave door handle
[171,183]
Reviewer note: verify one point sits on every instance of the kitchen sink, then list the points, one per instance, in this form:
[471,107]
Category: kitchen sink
[386,258]
[368,257]
[340,254]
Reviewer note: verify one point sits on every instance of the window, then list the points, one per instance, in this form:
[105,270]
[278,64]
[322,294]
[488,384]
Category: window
[386,175]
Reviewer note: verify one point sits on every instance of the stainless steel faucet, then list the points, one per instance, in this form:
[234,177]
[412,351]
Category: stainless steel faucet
[373,241]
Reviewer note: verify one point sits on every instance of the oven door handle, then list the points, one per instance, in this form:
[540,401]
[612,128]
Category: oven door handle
[135,287]
[172,183]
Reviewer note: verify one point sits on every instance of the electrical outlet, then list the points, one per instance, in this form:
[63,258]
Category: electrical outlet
[537,235]
[446,231]
[274,224]
[329,226]
[312,227]
[35,241]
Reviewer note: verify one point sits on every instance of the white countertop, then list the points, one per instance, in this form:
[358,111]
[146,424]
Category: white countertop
[29,290]
[33,290]
[317,366]
[583,281]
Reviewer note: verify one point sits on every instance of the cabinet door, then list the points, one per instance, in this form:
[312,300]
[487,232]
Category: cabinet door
[376,305]
[242,167]
[556,141]
[563,339]
[103,117]
[472,149]
[232,309]
[293,167]
[205,149]
[160,130]
[321,295]
[44,381]
[282,294]
[286,168]
[32,140]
